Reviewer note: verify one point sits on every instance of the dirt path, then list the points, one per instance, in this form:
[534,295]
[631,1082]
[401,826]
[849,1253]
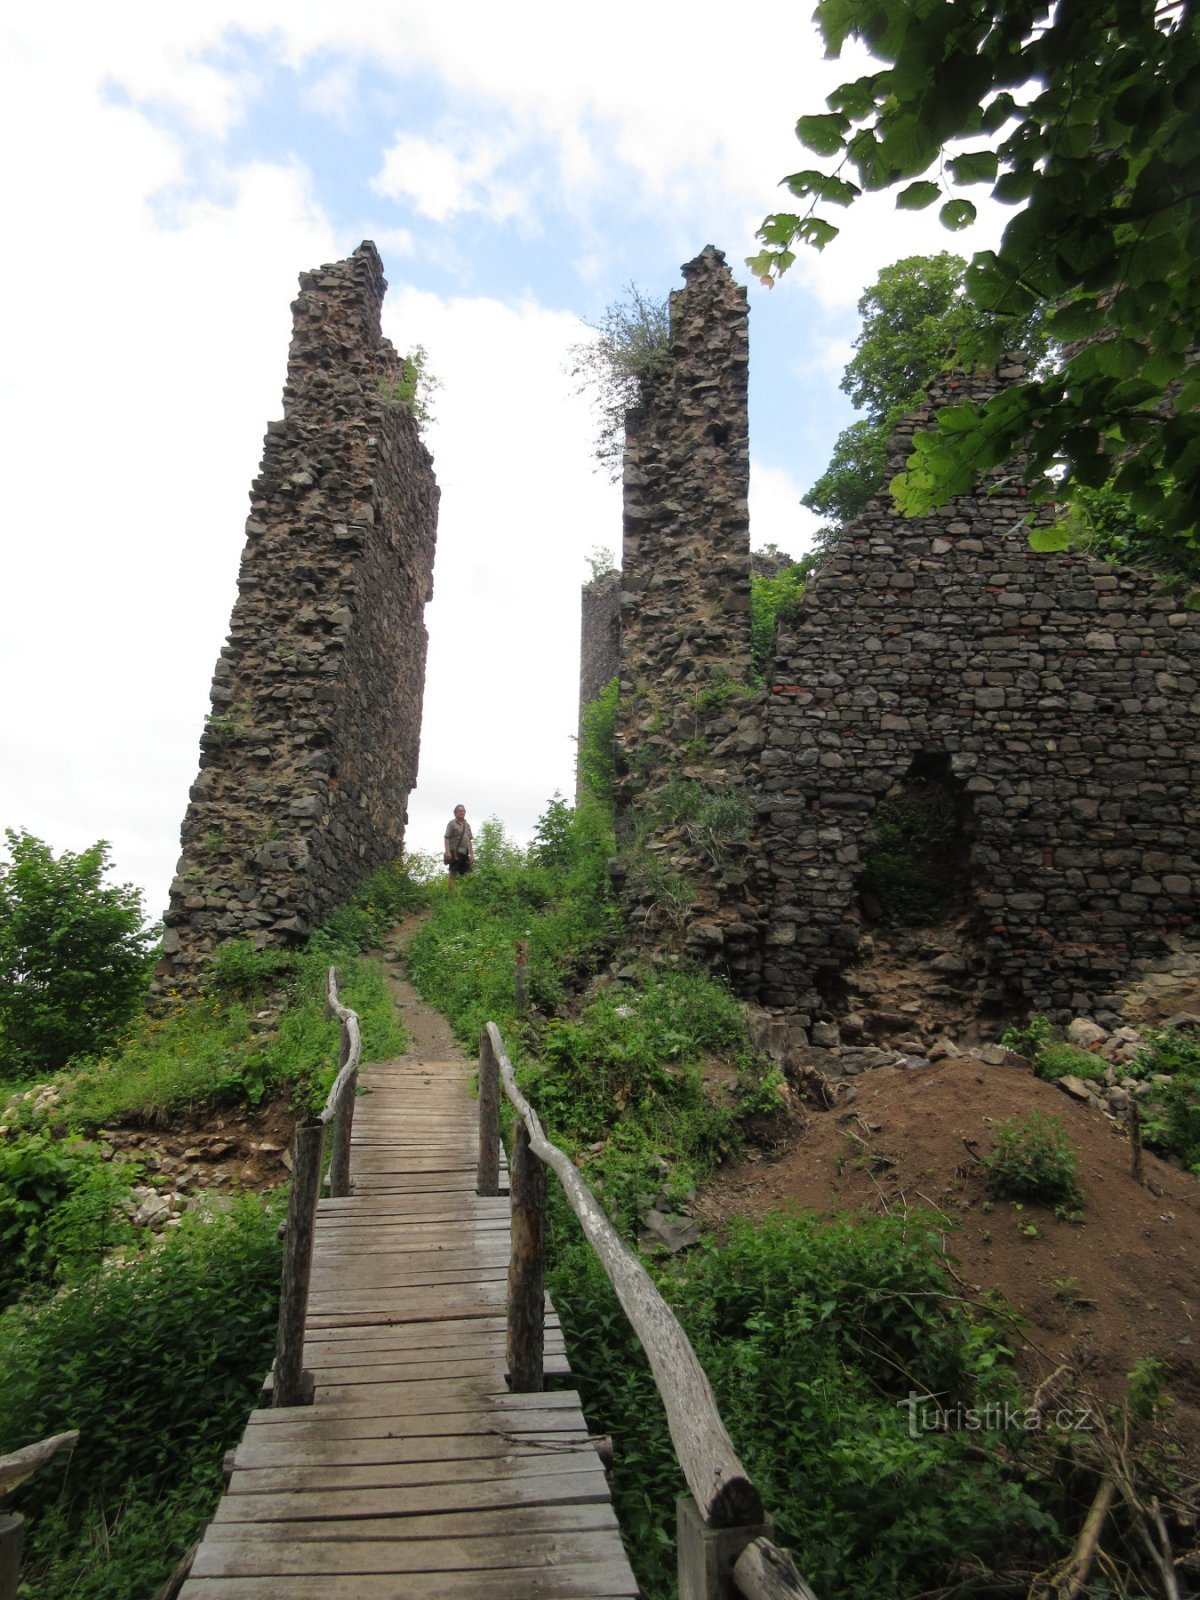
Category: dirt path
[429,1034]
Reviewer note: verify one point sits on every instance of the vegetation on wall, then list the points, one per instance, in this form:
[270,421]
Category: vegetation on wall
[773,600]
[631,343]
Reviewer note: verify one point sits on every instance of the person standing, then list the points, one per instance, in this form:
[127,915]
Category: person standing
[460,845]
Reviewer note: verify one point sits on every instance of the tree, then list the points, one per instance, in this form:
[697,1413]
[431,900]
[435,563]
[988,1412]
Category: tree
[74,954]
[1083,113]
[631,343]
[915,318]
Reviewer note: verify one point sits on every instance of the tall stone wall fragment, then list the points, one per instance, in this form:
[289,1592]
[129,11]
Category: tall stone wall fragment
[684,715]
[310,751]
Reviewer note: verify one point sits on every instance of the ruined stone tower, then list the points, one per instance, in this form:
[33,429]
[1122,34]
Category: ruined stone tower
[310,751]
[685,624]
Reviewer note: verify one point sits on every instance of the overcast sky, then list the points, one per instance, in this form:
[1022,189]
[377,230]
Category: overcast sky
[172,168]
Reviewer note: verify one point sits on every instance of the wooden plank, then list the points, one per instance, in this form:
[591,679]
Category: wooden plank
[260,1453]
[523,1520]
[483,1554]
[562,1488]
[609,1580]
[517,1464]
[310,1423]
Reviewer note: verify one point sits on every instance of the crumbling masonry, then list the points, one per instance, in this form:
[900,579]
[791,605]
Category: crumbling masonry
[1055,698]
[310,751]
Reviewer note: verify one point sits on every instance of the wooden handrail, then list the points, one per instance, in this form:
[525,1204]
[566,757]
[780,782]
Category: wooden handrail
[14,1469]
[339,1103]
[724,1548]
[292,1385]
[718,1481]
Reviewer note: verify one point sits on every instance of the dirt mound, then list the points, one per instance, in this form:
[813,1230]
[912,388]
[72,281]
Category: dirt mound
[1122,1283]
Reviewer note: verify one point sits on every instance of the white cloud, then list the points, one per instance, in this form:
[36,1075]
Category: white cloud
[443,182]
[776,515]
[520,510]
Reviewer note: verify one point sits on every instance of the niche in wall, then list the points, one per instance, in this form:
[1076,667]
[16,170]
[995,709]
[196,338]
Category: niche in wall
[916,862]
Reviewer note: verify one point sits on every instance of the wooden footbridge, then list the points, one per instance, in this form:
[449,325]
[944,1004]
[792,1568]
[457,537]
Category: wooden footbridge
[411,1449]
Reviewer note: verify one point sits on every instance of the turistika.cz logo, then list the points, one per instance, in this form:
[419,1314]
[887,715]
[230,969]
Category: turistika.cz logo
[926,1414]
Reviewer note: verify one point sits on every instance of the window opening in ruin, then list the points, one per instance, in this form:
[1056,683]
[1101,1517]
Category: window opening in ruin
[915,870]
[719,433]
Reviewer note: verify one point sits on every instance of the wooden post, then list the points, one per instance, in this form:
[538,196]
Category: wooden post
[487,1179]
[1135,1142]
[12,1531]
[293,1386]
[521,986]
[765,1572]
[526,1269]
[343,1117]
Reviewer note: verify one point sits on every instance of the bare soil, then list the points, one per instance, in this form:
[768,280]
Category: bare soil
[1122,1283]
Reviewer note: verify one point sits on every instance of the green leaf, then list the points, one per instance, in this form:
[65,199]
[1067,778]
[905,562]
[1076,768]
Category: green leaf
[917,196]
[817,232]
[824,133]
[957,214]
[977,166]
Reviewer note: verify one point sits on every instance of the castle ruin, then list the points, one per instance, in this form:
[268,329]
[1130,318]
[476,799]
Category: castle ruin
[1052,699]
[310,751]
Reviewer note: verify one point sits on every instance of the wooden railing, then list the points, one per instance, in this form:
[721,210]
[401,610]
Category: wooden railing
[724,1536]
[14,1469]
[292,1385]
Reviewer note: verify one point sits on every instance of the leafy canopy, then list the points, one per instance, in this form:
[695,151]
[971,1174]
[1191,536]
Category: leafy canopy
[915,319]
[74,957]
[1084,116]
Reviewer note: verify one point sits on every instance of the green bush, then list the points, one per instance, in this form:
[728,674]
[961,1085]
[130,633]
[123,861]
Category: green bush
[74,955]
[1172,1125]
[1056,1059]
[156,1362]
[1032,1159]
[819,1342]
[60,1210]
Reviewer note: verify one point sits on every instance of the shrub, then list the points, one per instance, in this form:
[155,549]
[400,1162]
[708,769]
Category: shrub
[816,1340]
[1056,1059]
[1172,1125]
[156,1362]
[60,1209]
[1032,1159]
[74,955]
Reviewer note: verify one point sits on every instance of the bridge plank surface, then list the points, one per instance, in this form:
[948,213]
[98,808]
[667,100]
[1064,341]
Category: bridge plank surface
[415,1470]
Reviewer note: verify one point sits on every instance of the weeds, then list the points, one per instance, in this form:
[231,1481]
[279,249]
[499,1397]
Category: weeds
[1032,1159]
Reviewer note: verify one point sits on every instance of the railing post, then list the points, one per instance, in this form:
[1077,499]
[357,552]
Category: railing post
[487,1180]
[12,1532]
[527,1269]
[343,1114]
[705,1556]
[294,1386]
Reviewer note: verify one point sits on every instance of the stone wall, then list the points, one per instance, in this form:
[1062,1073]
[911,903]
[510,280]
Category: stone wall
[1056,697]
[310,751]
[599,639]
[685,622]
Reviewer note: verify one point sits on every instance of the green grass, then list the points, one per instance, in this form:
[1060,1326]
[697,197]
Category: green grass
[156,1363]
